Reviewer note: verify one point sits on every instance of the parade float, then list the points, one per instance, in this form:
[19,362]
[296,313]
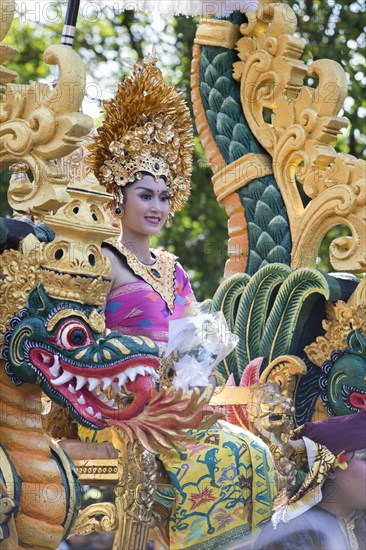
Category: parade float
[302,333]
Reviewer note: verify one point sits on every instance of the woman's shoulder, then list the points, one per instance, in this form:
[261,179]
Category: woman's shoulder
[116,258]
[121,273]
[110,248]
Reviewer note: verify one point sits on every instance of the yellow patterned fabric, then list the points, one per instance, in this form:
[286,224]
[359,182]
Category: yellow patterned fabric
[224,485]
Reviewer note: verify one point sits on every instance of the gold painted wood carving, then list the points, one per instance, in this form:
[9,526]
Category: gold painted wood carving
[271,416]
[214,32]
[96,518]
[303,124]
[104,471]
[285,371]
[40,123]
[341,318]
[134,493]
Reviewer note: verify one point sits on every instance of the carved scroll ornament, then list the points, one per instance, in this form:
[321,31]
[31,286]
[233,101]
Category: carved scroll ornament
[96,518]
[304,121]
[40,123]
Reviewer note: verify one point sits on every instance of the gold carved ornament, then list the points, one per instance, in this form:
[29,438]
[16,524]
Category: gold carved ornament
[271,411]
[285,371]
[7,9]
[341,318]
[71,267]
[17,279]
[96,518]
[303,124]
[39,124]
[147,127]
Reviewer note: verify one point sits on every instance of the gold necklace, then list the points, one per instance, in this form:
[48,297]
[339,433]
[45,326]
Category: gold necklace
[153,268]
[160,275]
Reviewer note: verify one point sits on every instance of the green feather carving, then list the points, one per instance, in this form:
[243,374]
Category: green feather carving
[291,308]
[226,299]
[268,311]
[253,311]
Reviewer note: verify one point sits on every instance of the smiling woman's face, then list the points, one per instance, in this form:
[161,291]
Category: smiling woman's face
[146,207]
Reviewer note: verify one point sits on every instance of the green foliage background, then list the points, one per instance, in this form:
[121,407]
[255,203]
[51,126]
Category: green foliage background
[107,39]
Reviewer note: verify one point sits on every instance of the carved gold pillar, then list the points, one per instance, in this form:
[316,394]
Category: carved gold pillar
[134,495]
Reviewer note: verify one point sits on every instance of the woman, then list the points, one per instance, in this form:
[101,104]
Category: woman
[137,269]
[223,481]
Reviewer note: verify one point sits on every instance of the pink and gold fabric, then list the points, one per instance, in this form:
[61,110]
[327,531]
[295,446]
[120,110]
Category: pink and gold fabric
[137,309]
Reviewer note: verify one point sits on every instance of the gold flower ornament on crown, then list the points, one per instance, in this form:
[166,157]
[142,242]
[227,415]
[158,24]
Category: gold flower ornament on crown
[147,128]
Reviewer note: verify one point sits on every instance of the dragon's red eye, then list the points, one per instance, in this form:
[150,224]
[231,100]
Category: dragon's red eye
[73,334]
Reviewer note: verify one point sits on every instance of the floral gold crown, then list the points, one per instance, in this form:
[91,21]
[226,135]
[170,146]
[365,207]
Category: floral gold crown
[147,128]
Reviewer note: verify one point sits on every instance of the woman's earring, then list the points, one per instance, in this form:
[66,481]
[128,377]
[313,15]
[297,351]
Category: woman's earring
[119,211]
[169,220]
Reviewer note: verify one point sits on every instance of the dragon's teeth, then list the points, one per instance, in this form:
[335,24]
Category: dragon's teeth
[131,374]
[99,415]
[122,378]
[152,373]
[81,400]
[46,359]
[65,377]
[107,382]
[80,382]
[71,389]
[93,383]
[140,370]
[55,370]
[111,403]
[90,410]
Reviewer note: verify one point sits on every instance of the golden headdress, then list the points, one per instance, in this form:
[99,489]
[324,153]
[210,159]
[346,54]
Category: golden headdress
[147,128]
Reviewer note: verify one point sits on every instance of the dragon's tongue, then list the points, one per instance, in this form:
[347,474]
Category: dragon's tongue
[143,384]
[358,400]
[142,390]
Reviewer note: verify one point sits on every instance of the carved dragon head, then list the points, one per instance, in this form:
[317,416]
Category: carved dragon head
[343,380]
[64,346]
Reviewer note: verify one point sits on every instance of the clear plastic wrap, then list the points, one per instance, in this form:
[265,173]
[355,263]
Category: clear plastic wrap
[197,343]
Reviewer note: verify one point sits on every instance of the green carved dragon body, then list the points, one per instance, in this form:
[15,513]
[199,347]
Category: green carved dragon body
[248,96]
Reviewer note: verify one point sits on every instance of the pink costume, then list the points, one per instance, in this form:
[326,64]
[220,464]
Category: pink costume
[137,309]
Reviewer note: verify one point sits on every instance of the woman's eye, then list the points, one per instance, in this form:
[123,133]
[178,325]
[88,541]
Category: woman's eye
[146,197]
